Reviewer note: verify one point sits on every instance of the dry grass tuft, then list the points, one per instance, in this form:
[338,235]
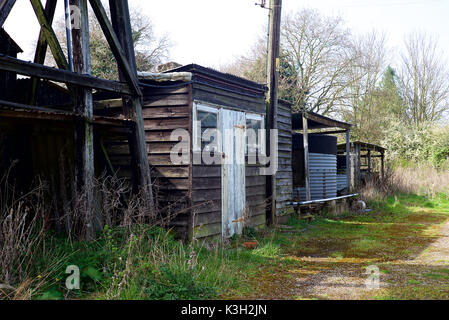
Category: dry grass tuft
[422,180]
[23,219]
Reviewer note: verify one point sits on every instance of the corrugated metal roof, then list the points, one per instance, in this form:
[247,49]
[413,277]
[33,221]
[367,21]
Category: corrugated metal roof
[200,70]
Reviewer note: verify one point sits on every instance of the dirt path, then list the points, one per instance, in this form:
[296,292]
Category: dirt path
[405,240]
[437,254]
[345,278]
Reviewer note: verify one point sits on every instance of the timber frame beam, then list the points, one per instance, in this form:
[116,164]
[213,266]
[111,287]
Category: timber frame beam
[50,35]
[114,43]
[43,72]
[41,47]
[318,122]
[5,9]
[328,122]
[84,131]
[122,34]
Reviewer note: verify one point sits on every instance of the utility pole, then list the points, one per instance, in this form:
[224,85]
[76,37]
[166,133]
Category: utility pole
[272,95]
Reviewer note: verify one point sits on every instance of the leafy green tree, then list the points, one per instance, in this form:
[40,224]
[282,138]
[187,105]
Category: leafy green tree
[378,109]
[390,94]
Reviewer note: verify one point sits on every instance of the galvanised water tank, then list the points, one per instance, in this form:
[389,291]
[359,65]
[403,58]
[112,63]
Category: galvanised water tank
[322,166]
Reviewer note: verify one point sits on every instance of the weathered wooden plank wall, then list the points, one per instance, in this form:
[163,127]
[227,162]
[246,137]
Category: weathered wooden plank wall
[284,175]
[208,218]
[45,156]
[226,98]
[163,110]
[256,196]
[206,197]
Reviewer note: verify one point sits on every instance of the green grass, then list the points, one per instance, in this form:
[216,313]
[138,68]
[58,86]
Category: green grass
[436,276]
[148,263]
[401,227]
[153,265]
[420,292]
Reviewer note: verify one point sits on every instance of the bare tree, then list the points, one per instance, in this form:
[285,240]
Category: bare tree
[424,79]
[151,49]
[365,73]
[316,55]
[317,52]
[253,65]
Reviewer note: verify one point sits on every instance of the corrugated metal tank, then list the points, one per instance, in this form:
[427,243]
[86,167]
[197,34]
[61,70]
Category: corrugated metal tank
[322,166]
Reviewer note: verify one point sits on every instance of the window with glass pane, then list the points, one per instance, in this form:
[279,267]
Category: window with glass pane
[253,135]
[209,123]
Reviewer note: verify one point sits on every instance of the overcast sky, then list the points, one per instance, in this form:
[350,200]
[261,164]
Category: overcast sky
[214,32]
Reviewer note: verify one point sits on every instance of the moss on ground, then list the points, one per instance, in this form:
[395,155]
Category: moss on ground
[398,230]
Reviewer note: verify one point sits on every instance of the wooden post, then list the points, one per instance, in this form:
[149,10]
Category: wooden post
[382,165]
[84,135]
[348,159]
[359,165]
[369,162]
[355,166]
[272,95]
[115,43]
[356,163]
[50,35]
[306,154]
[122,28]
[41,48]
[68,29]
[5,9]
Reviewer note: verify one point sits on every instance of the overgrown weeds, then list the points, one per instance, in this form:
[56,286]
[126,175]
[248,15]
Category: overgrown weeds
[423,180]
[22,223]
[140,262]
[132,257]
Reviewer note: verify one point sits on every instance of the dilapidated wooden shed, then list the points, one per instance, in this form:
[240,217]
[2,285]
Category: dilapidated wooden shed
[221,197]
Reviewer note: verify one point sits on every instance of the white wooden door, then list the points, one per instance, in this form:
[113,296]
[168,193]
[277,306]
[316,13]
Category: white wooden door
[232,127]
